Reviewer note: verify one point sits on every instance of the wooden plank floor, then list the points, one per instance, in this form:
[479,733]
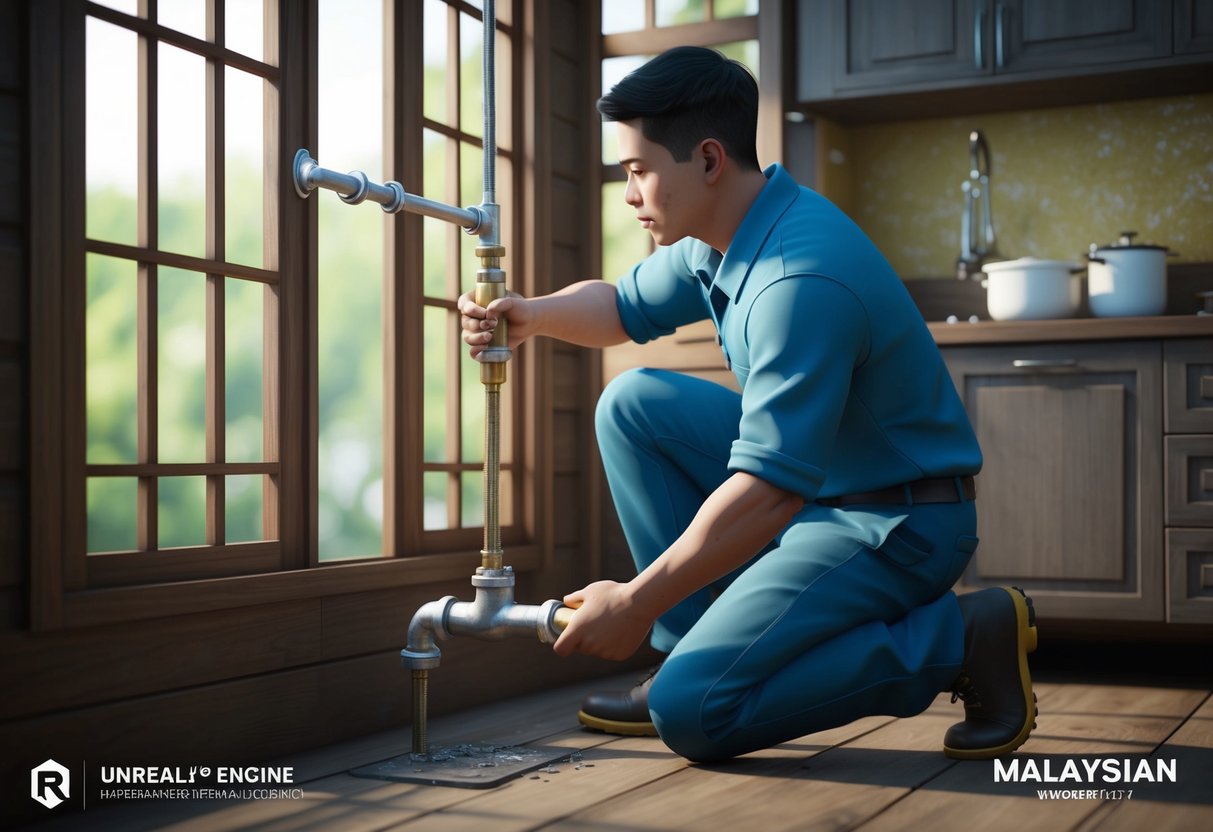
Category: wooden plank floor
[877,774]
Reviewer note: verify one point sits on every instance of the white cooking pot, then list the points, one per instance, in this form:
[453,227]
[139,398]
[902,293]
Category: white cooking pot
[1032,289]
[1127,278]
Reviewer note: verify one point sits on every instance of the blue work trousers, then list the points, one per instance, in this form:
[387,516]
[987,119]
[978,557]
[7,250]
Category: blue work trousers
[846,613]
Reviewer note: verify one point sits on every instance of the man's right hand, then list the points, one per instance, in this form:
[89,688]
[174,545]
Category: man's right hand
[479,322]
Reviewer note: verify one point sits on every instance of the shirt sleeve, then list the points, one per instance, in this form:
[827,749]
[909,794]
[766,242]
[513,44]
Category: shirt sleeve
[660,294]
[806,335]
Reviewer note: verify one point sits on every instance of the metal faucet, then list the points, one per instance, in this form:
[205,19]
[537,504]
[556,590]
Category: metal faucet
[493,614]
[977,244]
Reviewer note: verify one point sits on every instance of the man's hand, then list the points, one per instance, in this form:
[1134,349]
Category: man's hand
[607,624]
[478,322]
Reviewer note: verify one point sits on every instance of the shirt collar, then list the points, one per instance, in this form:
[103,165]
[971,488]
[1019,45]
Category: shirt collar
[773,200]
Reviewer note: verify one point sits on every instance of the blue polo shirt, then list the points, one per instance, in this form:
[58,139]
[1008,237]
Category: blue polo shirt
[843,388]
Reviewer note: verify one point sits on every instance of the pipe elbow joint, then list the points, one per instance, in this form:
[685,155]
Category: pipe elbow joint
[429,626]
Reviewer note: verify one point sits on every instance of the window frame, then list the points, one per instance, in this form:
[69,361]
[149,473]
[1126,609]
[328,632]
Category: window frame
[65,592]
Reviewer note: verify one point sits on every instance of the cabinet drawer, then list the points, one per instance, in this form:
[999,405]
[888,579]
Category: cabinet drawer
[1188,386]
[1189,480]
[1189,575]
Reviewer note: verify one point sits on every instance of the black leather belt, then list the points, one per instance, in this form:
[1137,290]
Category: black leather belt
[932,490]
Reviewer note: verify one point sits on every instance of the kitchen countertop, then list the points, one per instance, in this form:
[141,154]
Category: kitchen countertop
[1070,329]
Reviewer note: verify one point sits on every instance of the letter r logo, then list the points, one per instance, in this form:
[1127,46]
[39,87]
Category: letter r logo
[50,784]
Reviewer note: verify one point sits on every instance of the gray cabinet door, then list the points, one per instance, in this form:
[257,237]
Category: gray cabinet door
[1070,496]
[1193,26]
[893,43]
[1032,35]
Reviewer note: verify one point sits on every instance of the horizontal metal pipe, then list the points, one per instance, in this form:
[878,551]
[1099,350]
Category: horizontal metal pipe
[354,187]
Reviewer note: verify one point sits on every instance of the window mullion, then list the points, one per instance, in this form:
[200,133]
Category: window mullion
[216,249]
[148,235]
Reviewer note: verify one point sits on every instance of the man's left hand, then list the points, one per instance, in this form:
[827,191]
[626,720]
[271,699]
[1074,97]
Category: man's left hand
[606,624]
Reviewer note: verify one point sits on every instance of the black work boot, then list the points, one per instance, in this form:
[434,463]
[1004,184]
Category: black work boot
[621,712]
[1000,707]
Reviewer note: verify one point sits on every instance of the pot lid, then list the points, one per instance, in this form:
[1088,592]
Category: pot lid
[1031,263]
[1126,242]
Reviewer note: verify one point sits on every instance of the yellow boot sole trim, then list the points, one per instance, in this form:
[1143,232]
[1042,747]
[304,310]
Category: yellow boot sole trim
[1025,639]
[611,726]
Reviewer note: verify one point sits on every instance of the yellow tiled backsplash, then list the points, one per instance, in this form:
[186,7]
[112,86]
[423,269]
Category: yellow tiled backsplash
[1062,178]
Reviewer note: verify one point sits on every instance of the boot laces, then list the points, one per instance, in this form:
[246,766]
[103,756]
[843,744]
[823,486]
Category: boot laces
[963,690]
[652,672]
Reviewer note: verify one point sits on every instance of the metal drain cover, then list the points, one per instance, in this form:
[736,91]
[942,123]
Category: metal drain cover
[467,765]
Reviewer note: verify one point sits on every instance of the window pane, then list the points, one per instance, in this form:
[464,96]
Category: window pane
[438,335]
[181,137]
[187,16]
[182,514]
[350,286]
[472,410]
[435,52]
[244,167]
[111,513]
[111,360]
[244,27]
[435,512]
[242,508]
[675,12]
[111,129]
[734,8]
[624,242]
[613,71]
[471,192]
[243,303]
[131,7]
[503,81]
[471,499]
[181,365]
[441,238]
[745,51]
[471,82]
[622,16]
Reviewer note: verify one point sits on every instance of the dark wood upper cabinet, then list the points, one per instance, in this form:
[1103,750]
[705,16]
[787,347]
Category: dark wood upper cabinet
[1052,34]
[1193,26]
[908,42]
[874,59]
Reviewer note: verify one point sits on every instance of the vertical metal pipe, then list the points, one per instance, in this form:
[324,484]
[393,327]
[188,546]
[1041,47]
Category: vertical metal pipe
[493,556]
[421,703]
[490,104]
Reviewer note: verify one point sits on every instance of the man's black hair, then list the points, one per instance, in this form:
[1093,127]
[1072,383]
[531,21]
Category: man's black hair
[688,94]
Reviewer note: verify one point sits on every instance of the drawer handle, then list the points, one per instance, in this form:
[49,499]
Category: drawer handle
[1043,363]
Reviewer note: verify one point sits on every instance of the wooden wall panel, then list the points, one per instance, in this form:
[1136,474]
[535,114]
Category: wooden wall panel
[12,421]
[12,286]
[568,266]
[12,542]
[568,157]
[11,51]
[568,218]
[11,192]
[567,442]
[567,101]
[568,378]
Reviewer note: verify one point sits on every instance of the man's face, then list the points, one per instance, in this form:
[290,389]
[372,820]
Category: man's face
[668,196]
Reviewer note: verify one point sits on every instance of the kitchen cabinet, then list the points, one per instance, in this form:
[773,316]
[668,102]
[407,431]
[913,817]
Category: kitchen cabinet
[1070,495]
[858,48]
[1188,419]
[1193,26]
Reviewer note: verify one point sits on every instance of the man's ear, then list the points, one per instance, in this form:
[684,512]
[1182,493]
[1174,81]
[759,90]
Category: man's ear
[713,159]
